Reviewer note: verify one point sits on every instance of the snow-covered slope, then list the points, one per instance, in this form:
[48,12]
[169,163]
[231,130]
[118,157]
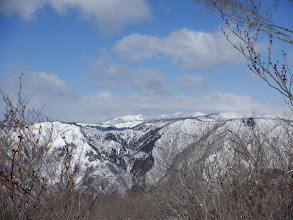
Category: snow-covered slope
[133,150]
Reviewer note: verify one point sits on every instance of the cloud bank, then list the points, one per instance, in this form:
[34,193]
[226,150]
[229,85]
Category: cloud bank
[60,101]
[105,105]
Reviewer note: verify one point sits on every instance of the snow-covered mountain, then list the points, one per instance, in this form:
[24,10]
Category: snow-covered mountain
[125,121]
[135,150]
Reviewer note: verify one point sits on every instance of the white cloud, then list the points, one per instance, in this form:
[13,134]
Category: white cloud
[144,80]
[47,82]
[138,47]
[193,49]
[191,82]
[40,82]
[24,9]
[110,15]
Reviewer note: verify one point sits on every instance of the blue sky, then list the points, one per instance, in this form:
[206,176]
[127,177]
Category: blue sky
[89,61]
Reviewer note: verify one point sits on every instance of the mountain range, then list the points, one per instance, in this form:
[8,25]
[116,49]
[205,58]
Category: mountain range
[136,150]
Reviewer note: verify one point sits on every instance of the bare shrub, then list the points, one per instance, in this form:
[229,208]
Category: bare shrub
[131,206]
[247,174]
[30,188]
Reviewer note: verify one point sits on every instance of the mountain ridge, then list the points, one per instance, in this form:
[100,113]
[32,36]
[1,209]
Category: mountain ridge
[126,155]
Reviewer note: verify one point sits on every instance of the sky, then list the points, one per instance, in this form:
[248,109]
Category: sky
[93,60]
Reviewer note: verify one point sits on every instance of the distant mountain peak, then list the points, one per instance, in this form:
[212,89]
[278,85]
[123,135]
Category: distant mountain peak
[125,121]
